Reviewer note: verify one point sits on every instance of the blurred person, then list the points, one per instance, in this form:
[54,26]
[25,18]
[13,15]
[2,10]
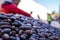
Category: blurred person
[16,2]
[49,19]
[59,18]
[31,12]
[9,7]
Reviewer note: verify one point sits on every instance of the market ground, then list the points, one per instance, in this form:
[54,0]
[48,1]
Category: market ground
[55,24]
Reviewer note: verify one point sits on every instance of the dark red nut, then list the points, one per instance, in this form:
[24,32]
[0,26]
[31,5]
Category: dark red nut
[5,37]
[29,32]
[13,33]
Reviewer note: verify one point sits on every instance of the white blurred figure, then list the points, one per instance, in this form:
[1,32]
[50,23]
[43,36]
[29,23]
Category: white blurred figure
[37,9]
